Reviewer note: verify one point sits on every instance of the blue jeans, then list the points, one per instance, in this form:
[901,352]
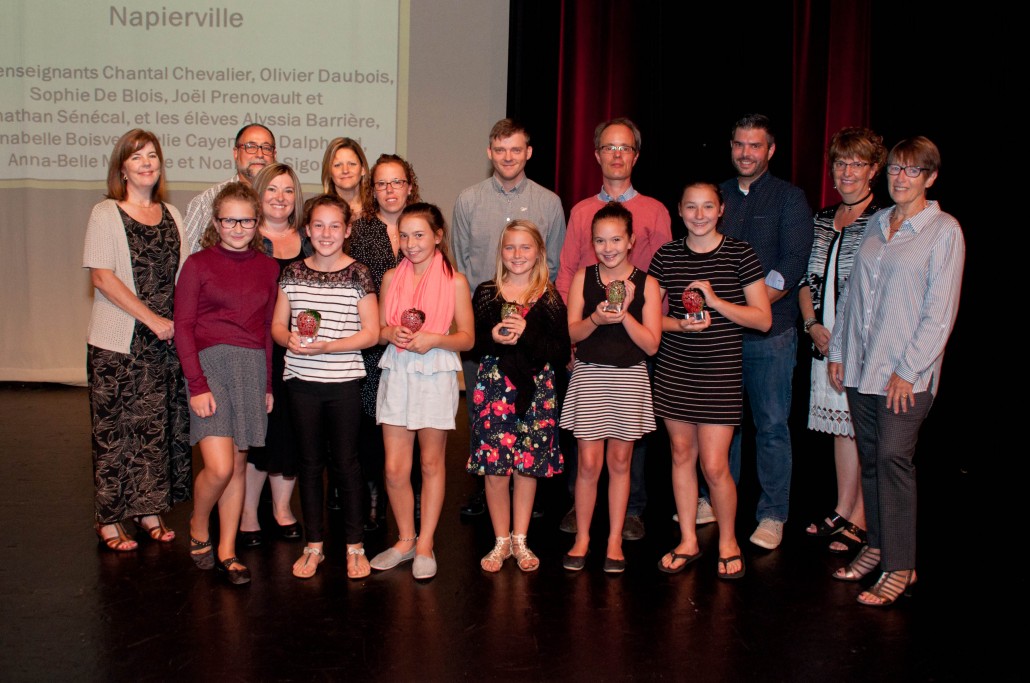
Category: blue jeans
[768,376]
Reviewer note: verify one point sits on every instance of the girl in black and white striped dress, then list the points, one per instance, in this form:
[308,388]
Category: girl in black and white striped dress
[698,371]
[609,396]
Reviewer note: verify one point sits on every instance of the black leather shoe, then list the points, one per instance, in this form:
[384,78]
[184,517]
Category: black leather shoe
[289,532]
[475,506]
[236,577]
[249,539]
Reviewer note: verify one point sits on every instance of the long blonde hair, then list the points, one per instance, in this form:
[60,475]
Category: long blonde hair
[539,278]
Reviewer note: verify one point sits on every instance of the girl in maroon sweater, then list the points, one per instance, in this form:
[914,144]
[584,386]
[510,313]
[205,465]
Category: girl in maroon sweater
[223,311]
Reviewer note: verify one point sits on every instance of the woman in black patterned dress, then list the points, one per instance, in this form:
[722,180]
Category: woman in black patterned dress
[142,461]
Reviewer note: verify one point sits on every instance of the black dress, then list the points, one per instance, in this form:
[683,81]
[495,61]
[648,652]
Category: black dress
[142,460]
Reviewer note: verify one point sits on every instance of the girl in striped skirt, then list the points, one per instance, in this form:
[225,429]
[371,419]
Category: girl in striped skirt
[615,328]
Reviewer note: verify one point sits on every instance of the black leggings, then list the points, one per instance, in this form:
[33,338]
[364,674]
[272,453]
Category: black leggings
[326,417]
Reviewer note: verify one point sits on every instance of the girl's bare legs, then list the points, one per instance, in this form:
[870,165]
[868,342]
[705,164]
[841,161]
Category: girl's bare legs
[588,471]
[620,455]
[221,481]
[714,451]
[432,449]
[498,503]
[525,493]
[399,444]
[684,446]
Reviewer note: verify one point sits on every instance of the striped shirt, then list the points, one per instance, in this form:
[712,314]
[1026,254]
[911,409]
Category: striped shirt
[900,303]
[335,296]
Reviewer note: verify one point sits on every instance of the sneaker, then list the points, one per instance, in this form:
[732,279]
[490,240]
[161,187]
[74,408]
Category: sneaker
[476,504]
[568,522]
[705,513]
[768,535]
[633,528]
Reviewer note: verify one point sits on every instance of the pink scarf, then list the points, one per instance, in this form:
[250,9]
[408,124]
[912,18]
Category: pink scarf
[434,295]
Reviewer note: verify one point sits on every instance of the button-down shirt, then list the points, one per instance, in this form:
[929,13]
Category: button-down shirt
[900,303]
[482,211]
[198,214]
[774,218]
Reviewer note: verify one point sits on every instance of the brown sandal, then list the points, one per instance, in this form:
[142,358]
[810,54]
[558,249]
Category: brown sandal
[158,532]
[120,543]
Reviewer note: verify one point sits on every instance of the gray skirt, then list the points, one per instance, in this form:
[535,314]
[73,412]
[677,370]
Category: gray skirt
[237,379]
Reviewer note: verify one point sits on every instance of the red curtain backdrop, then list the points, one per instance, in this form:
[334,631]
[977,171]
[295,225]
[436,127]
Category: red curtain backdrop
[593,85]
[832,55]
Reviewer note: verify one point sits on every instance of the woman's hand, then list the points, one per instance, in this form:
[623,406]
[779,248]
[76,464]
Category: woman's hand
[835,374]
[162,327]
[423,342]
[269,402]
[705,287]
[820,337]
[513,325]
[203,405]
[899,395]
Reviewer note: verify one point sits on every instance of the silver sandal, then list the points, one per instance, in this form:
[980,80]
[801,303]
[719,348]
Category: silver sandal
[500,553]
[524,557]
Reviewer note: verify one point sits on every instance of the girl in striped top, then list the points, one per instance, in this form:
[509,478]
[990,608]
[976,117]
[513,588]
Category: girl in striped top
[698,371]
[612,346]
[322,375]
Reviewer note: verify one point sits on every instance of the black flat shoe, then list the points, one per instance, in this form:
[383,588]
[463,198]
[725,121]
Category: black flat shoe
[249,539]
[289,532]
[204,559]
[574,563]
[613,566]
[236,577]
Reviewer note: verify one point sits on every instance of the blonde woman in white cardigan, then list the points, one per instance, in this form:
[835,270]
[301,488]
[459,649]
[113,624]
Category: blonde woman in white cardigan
[134,249]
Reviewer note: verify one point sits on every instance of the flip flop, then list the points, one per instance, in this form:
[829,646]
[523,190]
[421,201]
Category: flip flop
[724,562]
[677,556]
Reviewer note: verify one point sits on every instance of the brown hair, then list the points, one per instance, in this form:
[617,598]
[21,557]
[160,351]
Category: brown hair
[329,199]
[857,142]
[372,207]
[430,213]
[269,173]
[918,151]
[505,128]
[240,192]
[127,145]
[364,186]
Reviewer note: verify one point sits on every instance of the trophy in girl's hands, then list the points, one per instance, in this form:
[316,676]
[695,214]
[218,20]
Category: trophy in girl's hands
[694,304]
[412,319]
[508,309]
[616,291]
[307,325]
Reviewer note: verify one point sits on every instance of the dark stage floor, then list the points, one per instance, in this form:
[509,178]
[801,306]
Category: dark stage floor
[71,611]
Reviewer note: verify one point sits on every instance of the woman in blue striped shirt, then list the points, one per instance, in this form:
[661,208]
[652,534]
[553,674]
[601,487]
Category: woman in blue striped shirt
[886,349]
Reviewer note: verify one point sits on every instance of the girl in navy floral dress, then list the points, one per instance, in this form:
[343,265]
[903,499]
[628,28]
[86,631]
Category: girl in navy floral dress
[521,337]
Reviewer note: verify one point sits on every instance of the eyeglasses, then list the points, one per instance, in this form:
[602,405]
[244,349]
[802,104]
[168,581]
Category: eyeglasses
[396,183]
[854,165]
[245,223]
[253,148]
[910,171]
[612,149]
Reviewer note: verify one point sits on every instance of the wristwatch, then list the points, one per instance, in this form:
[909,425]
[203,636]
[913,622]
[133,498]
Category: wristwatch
[808,325]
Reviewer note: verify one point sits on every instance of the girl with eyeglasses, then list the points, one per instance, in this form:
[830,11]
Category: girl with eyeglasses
[223,313]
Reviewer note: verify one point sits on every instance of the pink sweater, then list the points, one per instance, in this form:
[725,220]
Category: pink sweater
[652,227]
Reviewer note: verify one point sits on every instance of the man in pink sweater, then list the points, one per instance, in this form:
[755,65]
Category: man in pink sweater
[617,149]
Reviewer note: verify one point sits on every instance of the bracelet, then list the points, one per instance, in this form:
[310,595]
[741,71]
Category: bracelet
[591,317]
[809,323]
